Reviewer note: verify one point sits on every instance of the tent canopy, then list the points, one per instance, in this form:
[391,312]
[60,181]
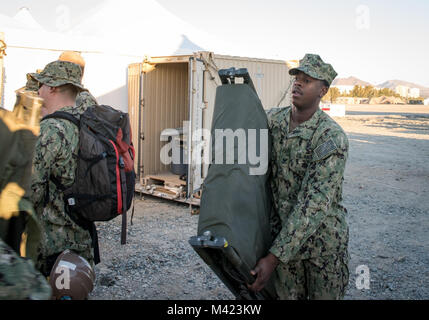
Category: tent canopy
[110,37]
[140,27]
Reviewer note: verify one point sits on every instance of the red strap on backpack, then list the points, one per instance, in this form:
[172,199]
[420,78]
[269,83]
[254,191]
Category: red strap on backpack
[123,149]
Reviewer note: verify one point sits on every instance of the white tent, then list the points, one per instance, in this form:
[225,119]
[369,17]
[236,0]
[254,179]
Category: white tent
[112,36]
[8,22]
[134,27]
[30,48]
[24,16]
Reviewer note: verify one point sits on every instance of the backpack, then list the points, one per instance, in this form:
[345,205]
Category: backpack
[105,178]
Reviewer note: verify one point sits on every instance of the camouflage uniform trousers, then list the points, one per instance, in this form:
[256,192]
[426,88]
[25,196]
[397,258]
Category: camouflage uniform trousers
[320,278]
[19,279]
[60,233]
[55,156]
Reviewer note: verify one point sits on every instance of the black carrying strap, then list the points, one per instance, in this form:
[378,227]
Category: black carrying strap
[90,227]
[63,115]
[132,213]
[124,206]
[81,222]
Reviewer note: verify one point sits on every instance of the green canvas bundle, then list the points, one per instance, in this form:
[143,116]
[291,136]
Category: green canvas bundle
[235,204]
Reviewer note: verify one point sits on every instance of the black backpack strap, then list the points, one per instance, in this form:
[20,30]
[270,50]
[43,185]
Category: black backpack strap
[90,227]
[75,121]
[63,115]
[124,204]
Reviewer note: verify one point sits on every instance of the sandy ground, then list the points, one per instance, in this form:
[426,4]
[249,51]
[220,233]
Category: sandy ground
[386,192]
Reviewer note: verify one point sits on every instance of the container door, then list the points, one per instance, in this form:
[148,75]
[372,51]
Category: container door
[135,105]
[195,126]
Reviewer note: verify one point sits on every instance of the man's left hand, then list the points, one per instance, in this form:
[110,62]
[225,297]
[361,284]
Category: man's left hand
[263,270]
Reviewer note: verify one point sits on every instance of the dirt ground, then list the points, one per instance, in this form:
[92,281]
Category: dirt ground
[386,192]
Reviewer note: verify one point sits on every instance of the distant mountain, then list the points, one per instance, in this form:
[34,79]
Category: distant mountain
[391,84]
[350,81]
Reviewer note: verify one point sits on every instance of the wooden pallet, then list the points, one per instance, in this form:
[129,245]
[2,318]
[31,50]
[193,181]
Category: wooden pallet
[160,191]
[165,178]
[167,185]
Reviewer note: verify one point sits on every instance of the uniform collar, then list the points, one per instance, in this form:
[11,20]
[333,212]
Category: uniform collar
[71,109]
[306,129]
[68,108]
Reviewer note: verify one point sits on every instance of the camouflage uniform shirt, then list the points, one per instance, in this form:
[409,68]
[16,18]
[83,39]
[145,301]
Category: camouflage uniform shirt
[55,155]
[84,100]
[307,175]
[19,279]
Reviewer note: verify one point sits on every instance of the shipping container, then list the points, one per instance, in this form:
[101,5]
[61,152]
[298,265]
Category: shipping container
[178,92]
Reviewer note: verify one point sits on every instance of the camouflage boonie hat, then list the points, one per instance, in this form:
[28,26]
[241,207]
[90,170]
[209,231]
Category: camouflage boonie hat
[58,73]
[314,66]
[32,84]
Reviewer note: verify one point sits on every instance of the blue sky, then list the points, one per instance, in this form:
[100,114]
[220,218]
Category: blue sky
[372,40]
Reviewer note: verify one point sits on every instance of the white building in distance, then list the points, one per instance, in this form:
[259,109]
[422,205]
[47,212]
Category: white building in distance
[407,92]
[402,90]
[414,93]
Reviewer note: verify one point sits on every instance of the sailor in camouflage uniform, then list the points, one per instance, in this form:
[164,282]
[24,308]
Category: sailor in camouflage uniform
[55,159]
[309,256]
[84,98]
[18,277]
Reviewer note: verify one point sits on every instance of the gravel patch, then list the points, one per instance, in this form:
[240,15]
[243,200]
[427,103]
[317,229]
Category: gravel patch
[157,262]
[386,192]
